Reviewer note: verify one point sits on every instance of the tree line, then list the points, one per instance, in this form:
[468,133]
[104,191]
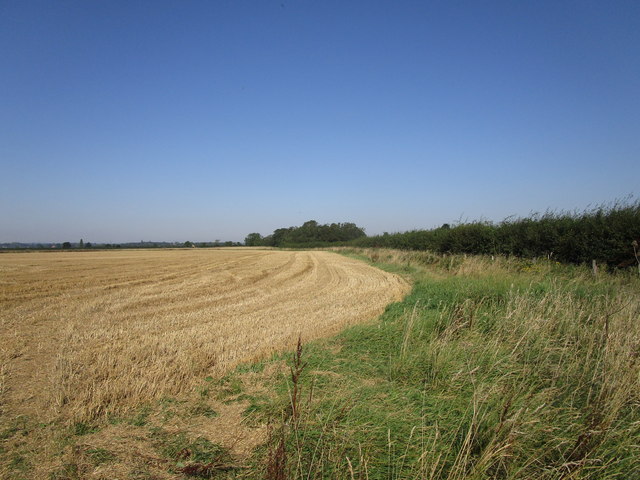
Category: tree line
[310,234]
[608,234]
[82,245]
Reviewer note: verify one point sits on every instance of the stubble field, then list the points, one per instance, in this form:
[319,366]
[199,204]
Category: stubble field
[88,334]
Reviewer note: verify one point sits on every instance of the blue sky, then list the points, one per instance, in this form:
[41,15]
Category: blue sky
[204,120]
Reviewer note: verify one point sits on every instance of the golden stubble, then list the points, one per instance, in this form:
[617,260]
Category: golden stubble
[85,334]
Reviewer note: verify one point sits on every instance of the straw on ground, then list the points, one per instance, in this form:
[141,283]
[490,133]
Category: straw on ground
[92,333]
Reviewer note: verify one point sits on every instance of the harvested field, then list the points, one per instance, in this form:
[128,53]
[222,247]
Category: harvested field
[85,334]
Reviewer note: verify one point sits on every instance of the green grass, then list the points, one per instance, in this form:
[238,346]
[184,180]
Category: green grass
[194,457]
[81,428]
[99,456]
[503,372]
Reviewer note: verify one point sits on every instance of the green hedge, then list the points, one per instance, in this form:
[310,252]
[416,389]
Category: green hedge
[604,234]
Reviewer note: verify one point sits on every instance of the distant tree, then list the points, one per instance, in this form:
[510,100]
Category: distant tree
[253,240]
[81,243]
[268,241]
[310,232]
[88,245]
[350,231]
[279,236]
[66,245]
[188,244]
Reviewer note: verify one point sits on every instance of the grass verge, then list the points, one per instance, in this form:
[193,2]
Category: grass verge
[490,368]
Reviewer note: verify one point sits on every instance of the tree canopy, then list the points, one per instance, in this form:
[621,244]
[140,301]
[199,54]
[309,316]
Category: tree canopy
[309,233]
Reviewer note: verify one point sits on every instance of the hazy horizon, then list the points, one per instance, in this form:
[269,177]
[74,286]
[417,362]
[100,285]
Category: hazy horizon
[458,221]
[199,121]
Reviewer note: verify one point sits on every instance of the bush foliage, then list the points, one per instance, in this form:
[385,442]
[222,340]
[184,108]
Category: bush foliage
[604,234]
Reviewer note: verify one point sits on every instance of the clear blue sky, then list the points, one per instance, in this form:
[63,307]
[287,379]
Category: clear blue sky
[203,120]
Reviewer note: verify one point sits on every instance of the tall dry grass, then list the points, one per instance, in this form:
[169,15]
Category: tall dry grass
[490,368]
